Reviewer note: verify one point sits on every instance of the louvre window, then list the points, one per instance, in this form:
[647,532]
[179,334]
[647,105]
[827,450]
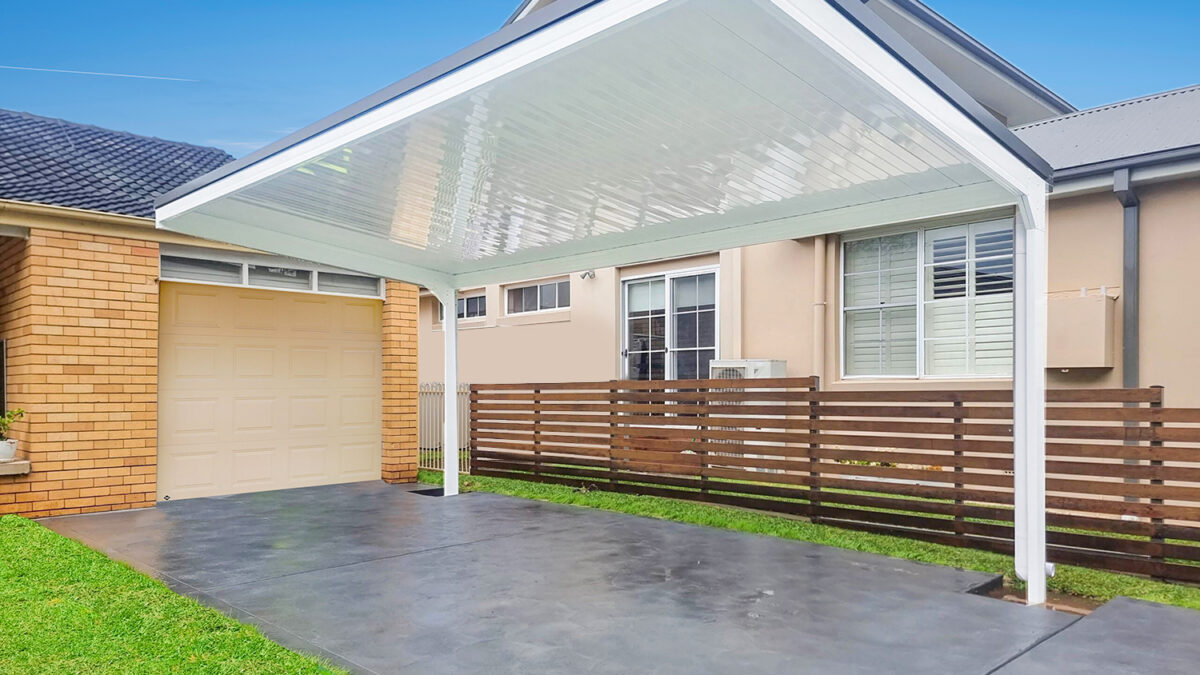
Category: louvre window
[931,302]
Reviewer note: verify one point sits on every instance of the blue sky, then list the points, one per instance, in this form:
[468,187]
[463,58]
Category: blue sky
[251,71]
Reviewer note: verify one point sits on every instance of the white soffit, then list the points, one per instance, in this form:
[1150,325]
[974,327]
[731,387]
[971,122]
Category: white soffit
[681,126]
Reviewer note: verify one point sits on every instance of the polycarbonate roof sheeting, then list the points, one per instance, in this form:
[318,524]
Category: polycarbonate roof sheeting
[698,115]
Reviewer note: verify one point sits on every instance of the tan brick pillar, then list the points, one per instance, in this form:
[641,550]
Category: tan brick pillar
[400,383]
[82,330]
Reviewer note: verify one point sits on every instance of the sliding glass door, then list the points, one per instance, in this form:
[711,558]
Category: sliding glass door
[670,326]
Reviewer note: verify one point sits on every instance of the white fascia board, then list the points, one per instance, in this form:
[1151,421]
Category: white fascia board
[545,42]
[1143,175]
[910,208]
[838,33]
[364,254]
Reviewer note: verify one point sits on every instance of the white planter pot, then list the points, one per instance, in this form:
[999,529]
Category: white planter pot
[8,449]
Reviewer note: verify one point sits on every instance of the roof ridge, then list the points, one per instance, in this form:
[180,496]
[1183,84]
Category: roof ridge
[69,123]
[1111,106]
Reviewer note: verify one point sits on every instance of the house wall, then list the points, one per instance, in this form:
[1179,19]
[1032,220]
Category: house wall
[79,314]
[1170,308]
[82,331]
[769,307]
[400,383]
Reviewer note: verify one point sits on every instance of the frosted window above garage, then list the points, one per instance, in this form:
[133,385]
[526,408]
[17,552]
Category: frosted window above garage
[261,271]
[194,269]
[349,284]
[279,277]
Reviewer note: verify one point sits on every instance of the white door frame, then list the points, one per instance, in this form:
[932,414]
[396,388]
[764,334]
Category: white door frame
[669,332]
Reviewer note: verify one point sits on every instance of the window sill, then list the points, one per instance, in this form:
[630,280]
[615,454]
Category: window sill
[919,383]
[532,318]
[14,467]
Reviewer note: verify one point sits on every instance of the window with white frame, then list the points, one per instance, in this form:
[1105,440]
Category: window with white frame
[470,307]
[538,297]
[931,302]
[260,274]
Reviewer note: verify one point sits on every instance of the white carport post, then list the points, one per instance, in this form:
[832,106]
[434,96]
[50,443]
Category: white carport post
[449,298]
[1029,398]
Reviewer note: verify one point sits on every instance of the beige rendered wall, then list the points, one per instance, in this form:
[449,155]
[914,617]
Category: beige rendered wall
[577,344]
[769,306]
[1170,307]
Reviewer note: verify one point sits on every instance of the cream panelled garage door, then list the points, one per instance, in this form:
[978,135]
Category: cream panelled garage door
[260,390]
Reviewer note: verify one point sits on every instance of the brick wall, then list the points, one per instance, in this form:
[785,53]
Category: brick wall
[400,383]
[80,316]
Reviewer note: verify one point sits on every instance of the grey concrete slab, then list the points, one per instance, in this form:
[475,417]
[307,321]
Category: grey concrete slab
[384,580]
[1122,636]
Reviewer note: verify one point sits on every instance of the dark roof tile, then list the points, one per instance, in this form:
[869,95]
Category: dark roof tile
[52,161]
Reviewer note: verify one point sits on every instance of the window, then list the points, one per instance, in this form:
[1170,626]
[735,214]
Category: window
[256,274]
[670,326]
[468,308]
[195,269]
[539,297]
[279,277]
[935,302]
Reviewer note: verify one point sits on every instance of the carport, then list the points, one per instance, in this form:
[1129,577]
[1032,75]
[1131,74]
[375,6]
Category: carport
[610,132]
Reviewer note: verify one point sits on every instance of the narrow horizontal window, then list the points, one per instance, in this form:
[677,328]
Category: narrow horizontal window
[538,297]
[279,277]
[195,269]
[258,274]
[472,307]
[349,284]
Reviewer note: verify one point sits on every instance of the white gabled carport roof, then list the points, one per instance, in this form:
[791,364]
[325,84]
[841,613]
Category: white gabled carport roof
[606,132]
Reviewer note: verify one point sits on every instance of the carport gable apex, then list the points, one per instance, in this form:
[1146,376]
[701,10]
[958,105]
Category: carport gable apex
[844,26]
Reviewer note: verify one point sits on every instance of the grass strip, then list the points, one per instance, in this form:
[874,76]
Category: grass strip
[65,608]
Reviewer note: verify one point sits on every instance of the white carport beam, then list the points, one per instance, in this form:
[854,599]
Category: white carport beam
[449,299]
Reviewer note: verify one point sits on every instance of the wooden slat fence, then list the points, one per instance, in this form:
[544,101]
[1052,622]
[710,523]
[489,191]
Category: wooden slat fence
[1123,472]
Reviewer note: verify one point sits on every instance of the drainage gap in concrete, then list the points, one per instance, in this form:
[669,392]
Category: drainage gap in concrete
[1059,602]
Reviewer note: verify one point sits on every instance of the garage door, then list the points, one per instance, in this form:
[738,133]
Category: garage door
[260,390]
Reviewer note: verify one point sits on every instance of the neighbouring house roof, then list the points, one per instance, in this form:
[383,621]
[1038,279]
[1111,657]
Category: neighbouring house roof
[1128,131]
[52,161]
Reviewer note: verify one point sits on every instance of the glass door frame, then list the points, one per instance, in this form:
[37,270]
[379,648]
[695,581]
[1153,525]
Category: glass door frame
[669,319]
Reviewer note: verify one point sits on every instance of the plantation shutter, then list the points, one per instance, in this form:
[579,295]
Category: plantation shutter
[968,310]
[880,287]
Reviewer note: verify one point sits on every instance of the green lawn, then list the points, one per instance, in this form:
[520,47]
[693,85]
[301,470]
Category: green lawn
[65,608]
[1079,581]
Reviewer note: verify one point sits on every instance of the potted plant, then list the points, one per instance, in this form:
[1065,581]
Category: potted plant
[8,446]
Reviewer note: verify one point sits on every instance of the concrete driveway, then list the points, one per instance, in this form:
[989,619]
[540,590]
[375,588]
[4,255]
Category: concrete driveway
[379,578]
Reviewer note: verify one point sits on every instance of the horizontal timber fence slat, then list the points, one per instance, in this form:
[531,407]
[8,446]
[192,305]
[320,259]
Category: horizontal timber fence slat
[1123,471]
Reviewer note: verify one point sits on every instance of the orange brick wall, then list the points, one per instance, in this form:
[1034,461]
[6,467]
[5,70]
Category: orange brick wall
[80,316]
[400,383]
[79,313]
